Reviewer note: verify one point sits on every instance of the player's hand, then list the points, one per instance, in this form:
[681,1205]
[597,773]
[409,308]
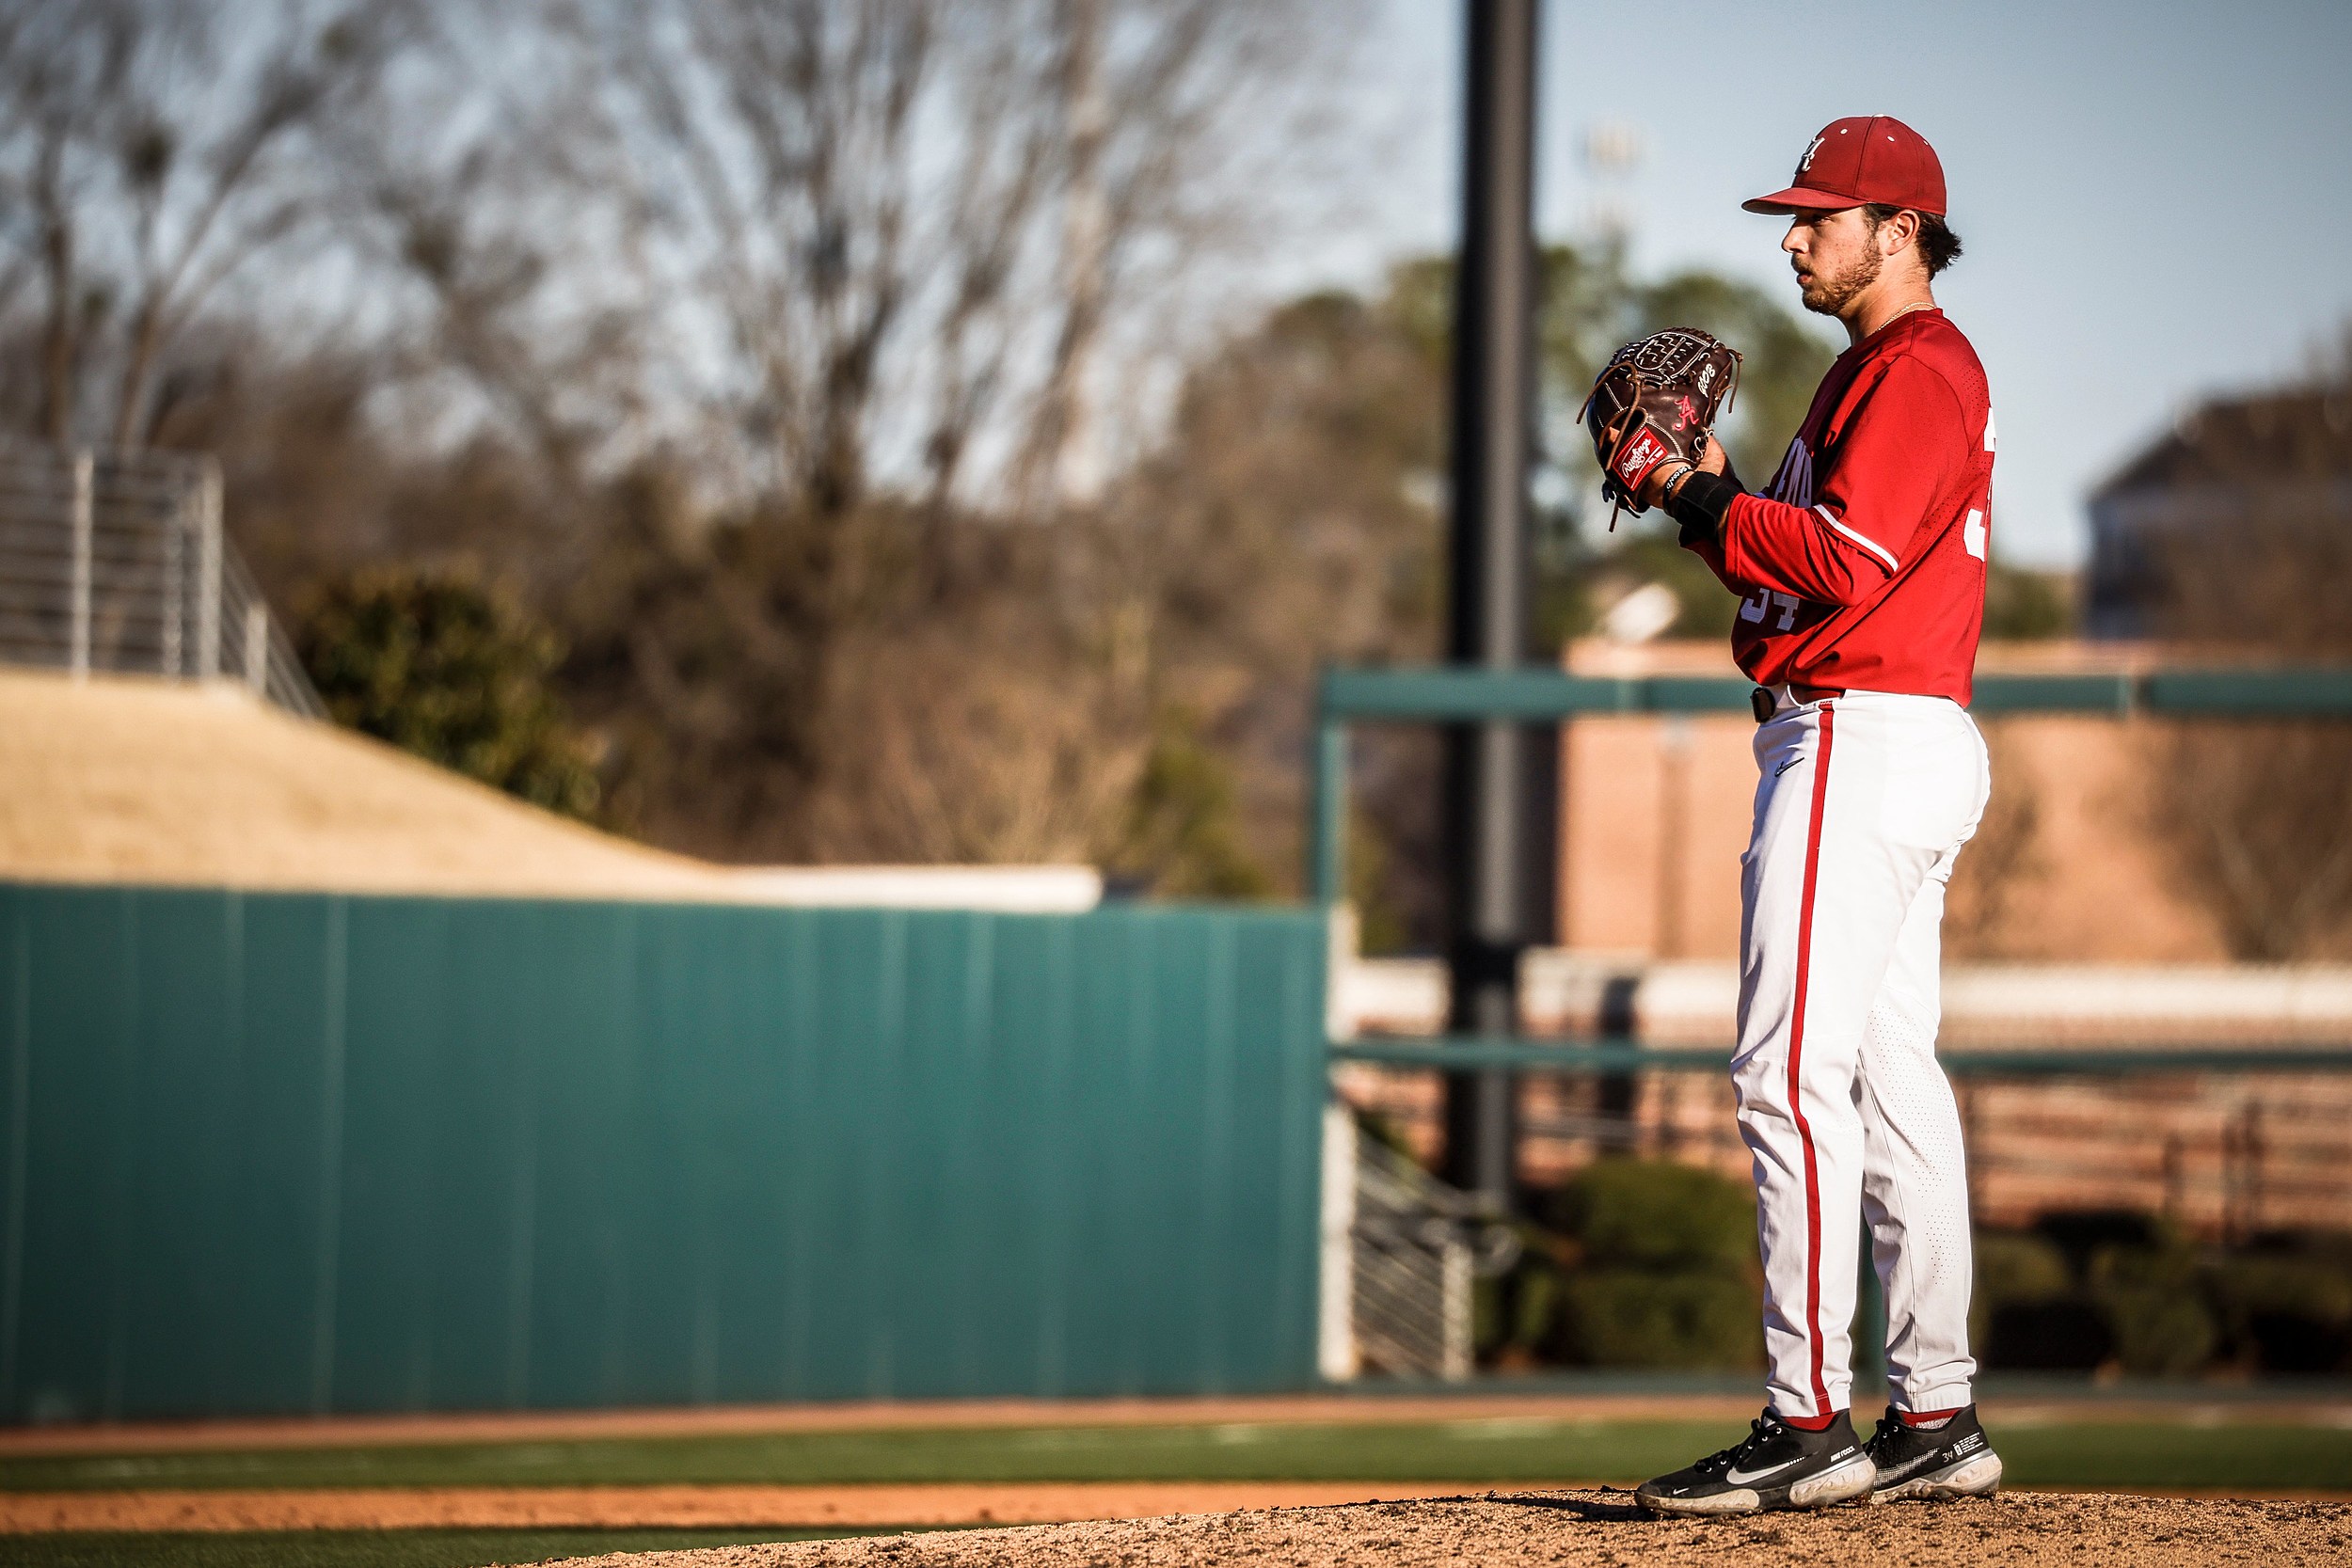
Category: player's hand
[1664,478]
[1659,481]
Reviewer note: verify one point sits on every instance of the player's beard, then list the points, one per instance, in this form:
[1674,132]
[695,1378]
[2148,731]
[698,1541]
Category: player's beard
[1829,297]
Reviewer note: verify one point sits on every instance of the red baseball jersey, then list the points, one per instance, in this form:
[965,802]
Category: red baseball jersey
[1863,564]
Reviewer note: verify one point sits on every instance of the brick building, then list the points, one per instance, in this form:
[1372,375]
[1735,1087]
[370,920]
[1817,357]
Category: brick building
[1655,815]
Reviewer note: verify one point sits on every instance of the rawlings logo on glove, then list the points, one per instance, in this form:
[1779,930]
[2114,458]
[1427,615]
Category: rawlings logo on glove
[1654,403]
[1637,457]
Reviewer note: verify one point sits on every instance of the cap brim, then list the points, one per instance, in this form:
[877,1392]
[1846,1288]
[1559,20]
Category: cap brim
[1797,196]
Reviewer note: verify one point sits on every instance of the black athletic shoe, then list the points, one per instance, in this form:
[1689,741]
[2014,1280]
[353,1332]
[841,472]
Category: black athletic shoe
[1778,1466]
[1954,1460]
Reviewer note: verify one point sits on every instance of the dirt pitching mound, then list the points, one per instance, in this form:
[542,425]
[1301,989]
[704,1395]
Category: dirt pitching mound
[1603,1528]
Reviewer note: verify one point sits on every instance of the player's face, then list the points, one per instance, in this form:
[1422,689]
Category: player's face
[1835,255]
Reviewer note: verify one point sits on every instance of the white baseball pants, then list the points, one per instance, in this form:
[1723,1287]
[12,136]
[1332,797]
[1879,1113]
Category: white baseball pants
[1862,806]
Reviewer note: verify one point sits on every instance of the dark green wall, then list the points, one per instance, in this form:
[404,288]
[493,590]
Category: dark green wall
[294,1152]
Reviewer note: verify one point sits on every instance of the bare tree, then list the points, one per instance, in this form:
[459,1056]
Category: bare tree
[905,224]
[1059,454]
[1004,176]
[62,71]
[774,146]
[1023,753]
[2257,812]
[1157,105]
[489,213]
[148,151]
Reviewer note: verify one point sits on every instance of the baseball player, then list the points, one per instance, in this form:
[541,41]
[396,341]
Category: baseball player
[1861,570]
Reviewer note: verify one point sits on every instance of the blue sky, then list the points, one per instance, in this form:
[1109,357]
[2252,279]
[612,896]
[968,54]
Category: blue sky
[2156,199]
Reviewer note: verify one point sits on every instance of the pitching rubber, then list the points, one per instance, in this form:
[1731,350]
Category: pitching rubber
[1979,1477]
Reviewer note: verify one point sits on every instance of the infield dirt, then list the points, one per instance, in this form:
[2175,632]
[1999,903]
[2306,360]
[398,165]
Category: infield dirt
[1601,1527]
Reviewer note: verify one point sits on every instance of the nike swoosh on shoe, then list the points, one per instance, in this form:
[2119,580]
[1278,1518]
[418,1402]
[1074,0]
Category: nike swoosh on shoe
[1741,1478]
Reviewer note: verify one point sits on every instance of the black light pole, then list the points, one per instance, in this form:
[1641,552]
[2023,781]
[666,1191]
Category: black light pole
[1486,769]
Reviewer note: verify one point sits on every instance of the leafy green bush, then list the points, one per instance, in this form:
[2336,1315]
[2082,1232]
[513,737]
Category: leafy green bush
[1665,1270]
[2026,1312]
[2070,1334]
[1514,1317]
[1648,1318]
[453,671]
[2286,1312]
[1654,1214]
[2015,1267]
[2149,1294]
[2130,1290]
[2159,1332]
[2080,1234]
[2166,1262]
[2021,604]
[1534,1305]
[1184,831]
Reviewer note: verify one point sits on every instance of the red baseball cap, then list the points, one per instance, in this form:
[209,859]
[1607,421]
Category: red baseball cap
[1863,159]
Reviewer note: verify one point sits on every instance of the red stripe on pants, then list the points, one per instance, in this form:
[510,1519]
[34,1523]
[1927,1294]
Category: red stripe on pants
[1796,1058]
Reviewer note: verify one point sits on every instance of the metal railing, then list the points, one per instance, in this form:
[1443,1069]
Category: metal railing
[1541,696]
[1415,1247]
[1462,695]
[116,561]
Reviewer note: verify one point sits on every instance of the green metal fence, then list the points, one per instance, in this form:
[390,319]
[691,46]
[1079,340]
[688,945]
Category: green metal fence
[278,1154]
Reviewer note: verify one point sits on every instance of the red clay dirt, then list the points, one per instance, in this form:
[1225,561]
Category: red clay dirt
[1601,1527]
[688,1507]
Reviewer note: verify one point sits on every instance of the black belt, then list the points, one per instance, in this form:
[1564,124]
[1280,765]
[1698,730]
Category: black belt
[1764,702]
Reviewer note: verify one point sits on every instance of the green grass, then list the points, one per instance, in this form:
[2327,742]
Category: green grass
[415,1548]
[1472,1451]
[2122,1456]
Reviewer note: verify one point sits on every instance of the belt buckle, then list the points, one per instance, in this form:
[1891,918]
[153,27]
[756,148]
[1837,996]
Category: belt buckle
[1763,702]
